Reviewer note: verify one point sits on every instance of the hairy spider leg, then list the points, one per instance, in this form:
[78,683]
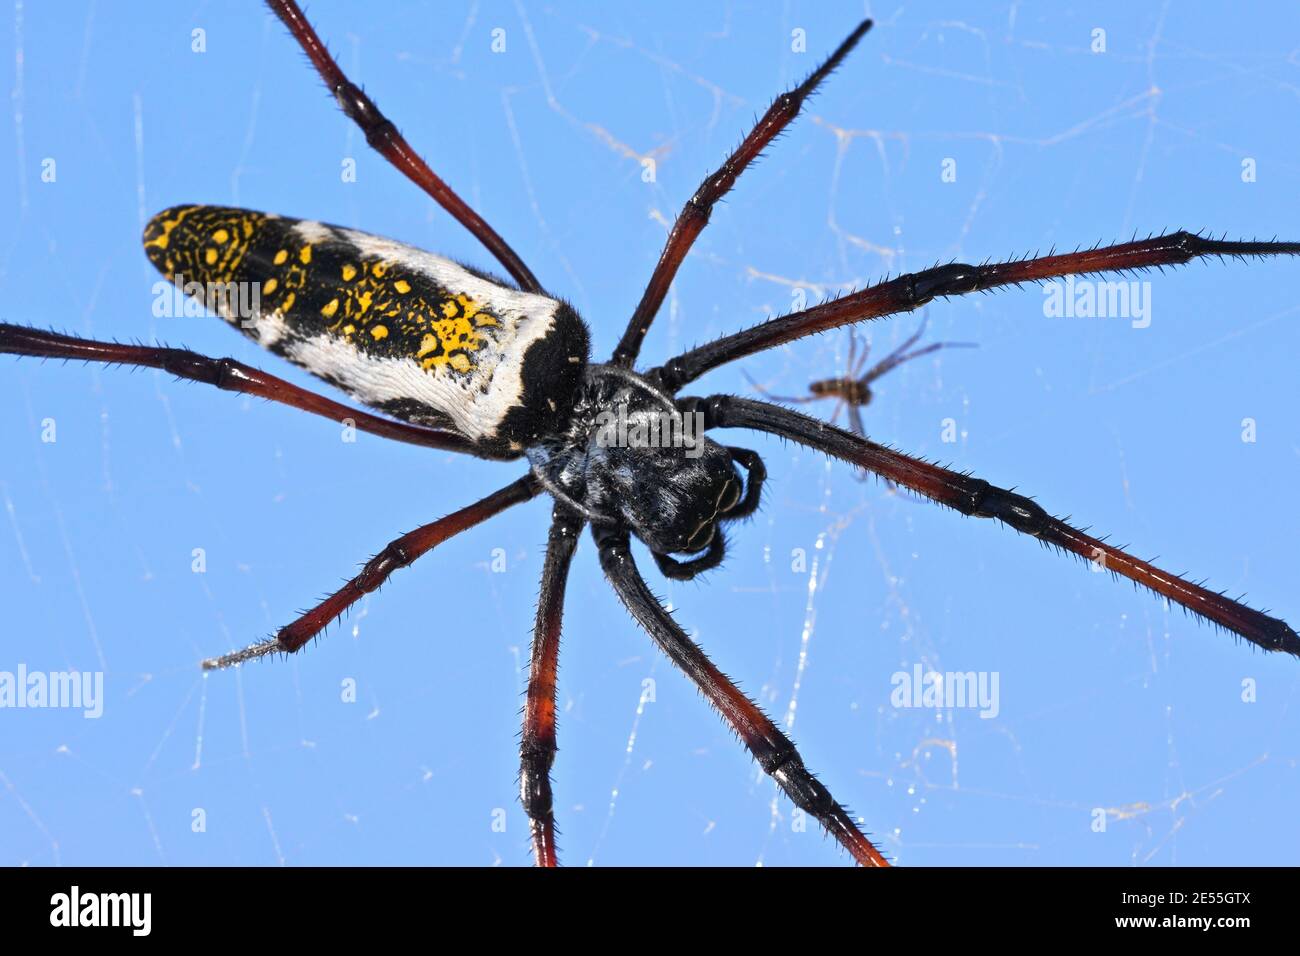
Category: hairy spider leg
[695,214]
[915,289]
[227,375]
[399,553]
[383,136]
[537,743]
[773,750]
[978,498]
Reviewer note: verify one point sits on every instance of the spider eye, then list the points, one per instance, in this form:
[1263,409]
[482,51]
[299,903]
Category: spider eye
[730,496]
[701,538]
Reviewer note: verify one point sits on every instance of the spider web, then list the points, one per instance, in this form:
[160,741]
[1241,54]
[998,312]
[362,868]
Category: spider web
[393,739]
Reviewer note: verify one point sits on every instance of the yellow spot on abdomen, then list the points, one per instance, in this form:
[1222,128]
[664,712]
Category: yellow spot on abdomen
[402,286]
[379,332]
[469,305]
[167,225]
[210,256]
[304,255]
[221,237]
[270,286]
[349,273]
[329,310]
[281,257]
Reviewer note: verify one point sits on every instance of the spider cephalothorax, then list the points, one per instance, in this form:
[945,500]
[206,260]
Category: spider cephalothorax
[629,457]
[461,362]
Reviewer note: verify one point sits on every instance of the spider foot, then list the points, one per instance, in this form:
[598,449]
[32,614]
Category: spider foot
[250,653]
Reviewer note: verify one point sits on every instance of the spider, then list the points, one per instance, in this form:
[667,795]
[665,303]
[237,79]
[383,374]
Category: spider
[852,390]
[456,359]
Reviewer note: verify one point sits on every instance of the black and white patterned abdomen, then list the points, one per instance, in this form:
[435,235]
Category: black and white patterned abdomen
[402,330]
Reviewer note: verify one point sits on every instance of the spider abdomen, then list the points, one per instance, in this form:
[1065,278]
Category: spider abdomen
[413,334]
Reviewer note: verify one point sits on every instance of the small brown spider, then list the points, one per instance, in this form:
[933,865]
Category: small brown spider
[853,390]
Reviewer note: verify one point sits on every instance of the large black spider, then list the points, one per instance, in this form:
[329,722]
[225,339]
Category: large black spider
[675,497]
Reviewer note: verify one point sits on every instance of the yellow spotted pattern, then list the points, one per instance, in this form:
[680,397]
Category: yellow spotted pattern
[380,306]
[201,243]
[375,301]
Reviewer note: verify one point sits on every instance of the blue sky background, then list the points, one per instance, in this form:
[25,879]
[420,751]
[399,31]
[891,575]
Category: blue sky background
[1108,699]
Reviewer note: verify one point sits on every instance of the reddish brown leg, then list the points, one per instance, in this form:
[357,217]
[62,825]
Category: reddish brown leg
[398,554]
[915,289]
[537,745]
[225,374]
[771,748]
[976,497]
[386,140]
[695,214]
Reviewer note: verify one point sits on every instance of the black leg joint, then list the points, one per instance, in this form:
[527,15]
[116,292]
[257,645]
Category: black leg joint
[977,489]
[956,278]
[1190,245]
[1021,513]
[612,543]
[361,109]
[536,760]
[773,760]
[804,790]
[712,409]
[392,558]
[670,376]
[226,373]
[199,368]
[699,207]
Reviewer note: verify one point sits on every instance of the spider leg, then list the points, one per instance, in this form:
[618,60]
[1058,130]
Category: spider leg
[896,360]
[893,357]
[800,400]
[840,404]
[383,136]
[908,292]
[755,475]
[695,214]
[771,748]
[861,474]
[855,368]
[225,374]
[855,425]
[399,553]
[671,567]
[537,744]
[977,498]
